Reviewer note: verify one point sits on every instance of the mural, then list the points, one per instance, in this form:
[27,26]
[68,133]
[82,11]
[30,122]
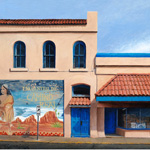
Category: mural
[18,101]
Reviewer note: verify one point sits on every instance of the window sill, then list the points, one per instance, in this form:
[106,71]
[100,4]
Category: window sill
[78,70]
[48,70]
[19,69]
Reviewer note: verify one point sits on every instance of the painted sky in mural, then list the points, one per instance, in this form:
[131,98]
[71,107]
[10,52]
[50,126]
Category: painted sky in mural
[30,93]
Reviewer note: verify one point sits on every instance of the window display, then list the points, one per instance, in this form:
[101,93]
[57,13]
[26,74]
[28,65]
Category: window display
[134,118]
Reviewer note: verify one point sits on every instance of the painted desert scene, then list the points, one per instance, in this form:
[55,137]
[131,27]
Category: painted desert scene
[49,125]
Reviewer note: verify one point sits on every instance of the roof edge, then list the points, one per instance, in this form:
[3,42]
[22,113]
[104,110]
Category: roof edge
[43,21]
[98,93]
[123,55]
[133,73]
[110,80]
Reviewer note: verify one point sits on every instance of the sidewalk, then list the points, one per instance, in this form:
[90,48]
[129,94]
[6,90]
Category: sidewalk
[46,139]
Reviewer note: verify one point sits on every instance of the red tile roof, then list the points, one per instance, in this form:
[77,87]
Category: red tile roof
[80,101]
[126,85]
[43,21]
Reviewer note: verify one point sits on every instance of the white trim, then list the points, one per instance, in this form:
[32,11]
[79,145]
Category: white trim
[19,69]
[78,70]
[48,70]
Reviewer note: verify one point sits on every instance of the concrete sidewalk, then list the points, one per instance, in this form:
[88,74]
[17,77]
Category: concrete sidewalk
[47,139]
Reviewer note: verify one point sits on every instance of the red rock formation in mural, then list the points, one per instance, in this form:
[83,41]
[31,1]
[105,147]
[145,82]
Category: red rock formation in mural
[2,121]
[18,120]
[30,120]
[49,117]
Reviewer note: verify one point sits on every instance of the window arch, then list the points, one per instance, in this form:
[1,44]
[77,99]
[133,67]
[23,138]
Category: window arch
[49,55]
[19,55]
[79,55]
[81,90]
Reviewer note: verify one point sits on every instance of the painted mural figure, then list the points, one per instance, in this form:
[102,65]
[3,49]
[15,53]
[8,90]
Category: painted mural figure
[6,105]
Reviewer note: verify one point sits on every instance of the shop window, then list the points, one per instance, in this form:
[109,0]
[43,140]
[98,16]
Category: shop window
[81,91]
[49,55]
[145,117]
[79,55]
[134,118]
[19,55]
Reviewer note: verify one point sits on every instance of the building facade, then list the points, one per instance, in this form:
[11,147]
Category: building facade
[48,63]
[123,94]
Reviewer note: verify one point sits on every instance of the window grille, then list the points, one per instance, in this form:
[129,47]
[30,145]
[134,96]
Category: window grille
[19,55]
[49,55]
[79,55]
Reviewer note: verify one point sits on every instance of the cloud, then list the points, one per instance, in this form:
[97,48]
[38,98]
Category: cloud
[135,47]
[126,10]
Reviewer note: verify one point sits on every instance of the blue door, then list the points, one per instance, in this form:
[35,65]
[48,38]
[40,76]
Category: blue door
[75,122]
[80,122]
[110,120]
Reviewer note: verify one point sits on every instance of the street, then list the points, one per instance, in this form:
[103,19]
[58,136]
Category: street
[47,145]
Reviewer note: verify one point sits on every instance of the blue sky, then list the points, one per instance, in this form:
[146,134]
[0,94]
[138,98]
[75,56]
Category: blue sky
[123,25]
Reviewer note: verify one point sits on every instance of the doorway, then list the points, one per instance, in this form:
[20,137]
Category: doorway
[110,120]
[80,122]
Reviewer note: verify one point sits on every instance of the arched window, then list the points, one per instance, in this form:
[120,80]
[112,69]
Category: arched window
[79,55]
[81,90]
[19,55]
[49,55]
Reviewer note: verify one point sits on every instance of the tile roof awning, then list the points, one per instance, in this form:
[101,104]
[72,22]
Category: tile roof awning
[80,101]
[43,21]
[125,87]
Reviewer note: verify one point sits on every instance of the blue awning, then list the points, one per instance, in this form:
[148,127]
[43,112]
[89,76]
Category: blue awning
[123,98]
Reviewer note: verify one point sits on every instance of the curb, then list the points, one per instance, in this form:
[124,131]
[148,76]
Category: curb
[103,143]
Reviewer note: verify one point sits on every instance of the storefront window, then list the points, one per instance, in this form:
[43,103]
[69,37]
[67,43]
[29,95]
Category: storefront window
[134,118]
[145,117]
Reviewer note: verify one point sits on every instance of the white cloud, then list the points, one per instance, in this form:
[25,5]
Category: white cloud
[124,10]
[135,47]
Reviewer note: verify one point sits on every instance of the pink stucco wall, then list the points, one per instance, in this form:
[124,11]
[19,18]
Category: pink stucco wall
[101,122]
